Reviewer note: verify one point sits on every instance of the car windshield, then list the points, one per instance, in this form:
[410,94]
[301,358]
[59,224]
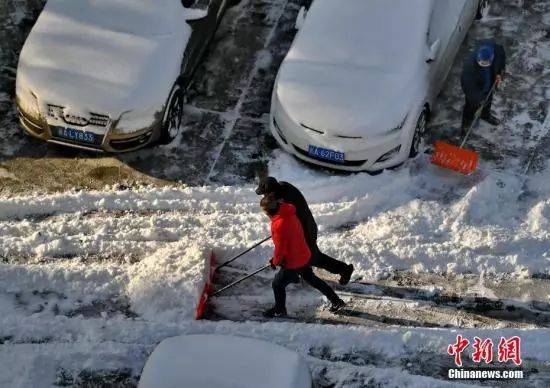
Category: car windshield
[137,17]
[364,33]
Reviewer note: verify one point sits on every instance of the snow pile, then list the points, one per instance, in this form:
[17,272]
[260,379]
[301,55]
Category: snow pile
[167,285]
[420,219]
[427,219]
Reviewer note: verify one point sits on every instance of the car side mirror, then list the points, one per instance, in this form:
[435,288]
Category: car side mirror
[433,50]
[192,14]
[300,20]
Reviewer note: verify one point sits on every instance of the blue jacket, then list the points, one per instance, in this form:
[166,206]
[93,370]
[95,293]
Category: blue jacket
[473,76]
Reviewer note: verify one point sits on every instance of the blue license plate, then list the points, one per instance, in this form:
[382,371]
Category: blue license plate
[75,135]
[323,153]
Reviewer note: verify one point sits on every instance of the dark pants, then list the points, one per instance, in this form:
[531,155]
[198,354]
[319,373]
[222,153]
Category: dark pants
[470,109]
[324,261]
[286,276]
[321,260]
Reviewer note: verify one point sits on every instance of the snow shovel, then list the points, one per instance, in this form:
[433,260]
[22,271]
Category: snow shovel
[205,294]
[458,158]
[241,279]
[242,253]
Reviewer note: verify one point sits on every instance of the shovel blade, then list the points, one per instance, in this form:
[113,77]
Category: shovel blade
[454,158]
[203,298]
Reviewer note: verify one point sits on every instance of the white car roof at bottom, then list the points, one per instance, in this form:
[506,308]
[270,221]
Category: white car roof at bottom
[221,361]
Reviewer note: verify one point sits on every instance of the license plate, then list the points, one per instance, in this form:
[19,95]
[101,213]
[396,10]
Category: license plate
[323,153]
[75,135]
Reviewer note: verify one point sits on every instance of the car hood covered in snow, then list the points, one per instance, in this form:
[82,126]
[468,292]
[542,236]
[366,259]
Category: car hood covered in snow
[353,65]
[104,56]
[343,100]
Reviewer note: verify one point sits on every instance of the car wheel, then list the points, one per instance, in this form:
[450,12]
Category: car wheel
[481,8]
[419,131]
[173,115]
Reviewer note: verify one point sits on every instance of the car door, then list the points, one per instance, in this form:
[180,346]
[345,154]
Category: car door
[203,31]
[445,26]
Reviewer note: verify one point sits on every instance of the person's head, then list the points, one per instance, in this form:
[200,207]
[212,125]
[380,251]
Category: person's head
[485,55]
[267,186]
[270,205]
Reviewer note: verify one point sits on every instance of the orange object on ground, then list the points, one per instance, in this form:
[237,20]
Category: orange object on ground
[201,306]
[454,158]
[457,158]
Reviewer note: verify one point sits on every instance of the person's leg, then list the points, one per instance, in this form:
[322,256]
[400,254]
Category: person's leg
[467,116]
[486,114]
[329,264]
[324,261]
[282,279]
[309,277]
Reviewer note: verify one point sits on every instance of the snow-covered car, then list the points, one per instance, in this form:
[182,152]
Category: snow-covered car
[108,75]
[356,88]
[221,361]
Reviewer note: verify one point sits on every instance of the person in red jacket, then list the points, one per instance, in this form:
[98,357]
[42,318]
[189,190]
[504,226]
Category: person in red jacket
[292,254]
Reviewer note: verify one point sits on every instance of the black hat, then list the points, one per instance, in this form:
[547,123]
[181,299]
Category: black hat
[267,185]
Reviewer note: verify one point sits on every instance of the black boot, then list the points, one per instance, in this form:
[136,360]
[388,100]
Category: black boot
[491,119]
[275,312]
[346,275]
[337,306]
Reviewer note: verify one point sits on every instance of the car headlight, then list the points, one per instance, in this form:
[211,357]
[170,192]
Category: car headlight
[28,102]
[399,127]
[136,120]
[389,155]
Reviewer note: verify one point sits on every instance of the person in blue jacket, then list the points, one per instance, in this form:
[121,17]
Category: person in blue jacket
[481,70]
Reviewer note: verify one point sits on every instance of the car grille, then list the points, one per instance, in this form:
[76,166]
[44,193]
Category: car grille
[96,119]
[349,163]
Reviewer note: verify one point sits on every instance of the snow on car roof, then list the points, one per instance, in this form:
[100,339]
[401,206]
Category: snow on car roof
[373,33]
[217,361]
[139,17]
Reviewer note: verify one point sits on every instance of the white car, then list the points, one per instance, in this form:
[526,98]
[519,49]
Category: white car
[356,88]
[222,361]
[111,75]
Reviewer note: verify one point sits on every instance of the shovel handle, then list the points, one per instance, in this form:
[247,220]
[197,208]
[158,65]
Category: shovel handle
[478,114]
[242,253]
[241,280]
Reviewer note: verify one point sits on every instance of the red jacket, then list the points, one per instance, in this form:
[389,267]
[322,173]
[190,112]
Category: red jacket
[291,250]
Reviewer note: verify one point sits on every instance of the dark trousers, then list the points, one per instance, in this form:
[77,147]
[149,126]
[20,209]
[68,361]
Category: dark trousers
[286,276]
[470,109]
[319,259]
[324,261]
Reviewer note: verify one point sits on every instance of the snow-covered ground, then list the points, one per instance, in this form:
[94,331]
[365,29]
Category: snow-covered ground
[85,268]
[92,280]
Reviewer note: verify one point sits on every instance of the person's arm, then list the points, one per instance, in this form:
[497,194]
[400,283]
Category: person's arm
[500,60]
[278,241]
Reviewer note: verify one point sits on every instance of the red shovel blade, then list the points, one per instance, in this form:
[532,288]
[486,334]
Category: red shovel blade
[454,158]
[203,300]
